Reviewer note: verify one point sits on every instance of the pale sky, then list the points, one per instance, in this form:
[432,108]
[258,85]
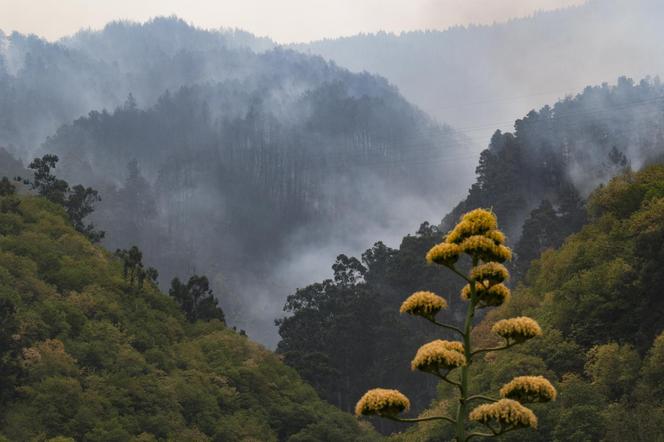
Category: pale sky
[285,21]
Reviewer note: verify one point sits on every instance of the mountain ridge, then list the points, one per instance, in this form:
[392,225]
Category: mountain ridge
[482,78]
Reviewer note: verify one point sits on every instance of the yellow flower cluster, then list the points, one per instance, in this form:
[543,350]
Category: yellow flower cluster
[491,271]
[425,304]
[477,245]
[475,222]
[382,402]
[485,249]
[439,355]
[528,389]
[496,235]
[520,329]
[443,253]
[452,345]
[476,234]
[506,412]
[495,295]
[502,253]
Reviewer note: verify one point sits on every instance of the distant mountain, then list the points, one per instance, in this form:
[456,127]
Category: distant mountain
[44,85]
[251,167]
[482,78]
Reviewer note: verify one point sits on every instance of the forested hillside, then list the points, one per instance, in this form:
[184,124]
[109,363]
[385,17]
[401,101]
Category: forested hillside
[535,179]
[556,156]
[205,281]
[598,299]
[205,192]
[481,78]
[44,85]
[214,152]
[88,354]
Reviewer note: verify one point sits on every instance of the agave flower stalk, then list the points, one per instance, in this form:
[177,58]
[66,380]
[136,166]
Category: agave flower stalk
[477,236]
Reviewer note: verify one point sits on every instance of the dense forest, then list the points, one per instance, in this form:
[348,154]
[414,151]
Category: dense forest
[44,85]
[239,149]
[609,377]
[228,186]
[532,178]
[88,354]
[99,356]
[230,119]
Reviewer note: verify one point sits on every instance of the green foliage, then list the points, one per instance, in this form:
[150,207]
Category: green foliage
[82,358]
[547,227]
[608,272]
[196,300]
[6,187]
[134,270]
[345,335]
[45,183]
[523,175]
[477,415]
[599,298]
[613,368]
[652,372]
[78,201]
[547,159]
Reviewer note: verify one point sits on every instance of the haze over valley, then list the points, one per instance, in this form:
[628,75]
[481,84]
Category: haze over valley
[230,145]
[247,221]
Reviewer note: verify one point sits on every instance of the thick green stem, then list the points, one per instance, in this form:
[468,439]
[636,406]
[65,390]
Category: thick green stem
[507,345]
[478,434]
[421,419]
[481,397]
[494,433]
[462,411]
